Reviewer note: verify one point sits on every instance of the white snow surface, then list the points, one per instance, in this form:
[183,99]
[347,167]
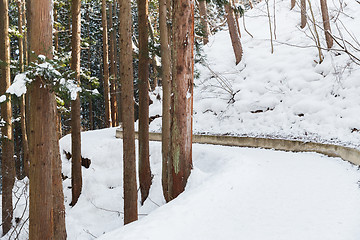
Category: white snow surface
[241,193]
[232,193]
[286,94]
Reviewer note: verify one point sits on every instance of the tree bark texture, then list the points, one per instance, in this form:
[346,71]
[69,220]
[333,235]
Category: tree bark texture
[7,163]
[182,95]
[76,176]
[303,13]
[144,161]
[113,72]
[234,33]
[56,33]
[25,144]
[127,97]
[47,216]
[166,84]
[204,21]
[326,23]
[293,3]
[106,65]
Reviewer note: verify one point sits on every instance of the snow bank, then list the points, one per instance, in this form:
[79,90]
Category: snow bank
[286,94]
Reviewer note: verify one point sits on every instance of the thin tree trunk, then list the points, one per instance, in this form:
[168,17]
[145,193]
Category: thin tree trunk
[56,33]
[204,21]
[58,214]
[7,163]
[25,142]
[303,13]
[127,94]
[237,17]
[166,84]
[76,178]
[234,34]
[144,163]
[182,95]
[326,22]
[91,114]
[114,115]
[106,64]
[25,168]
[293,3]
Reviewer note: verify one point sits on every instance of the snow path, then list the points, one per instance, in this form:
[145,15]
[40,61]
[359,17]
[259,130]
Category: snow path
[233,193]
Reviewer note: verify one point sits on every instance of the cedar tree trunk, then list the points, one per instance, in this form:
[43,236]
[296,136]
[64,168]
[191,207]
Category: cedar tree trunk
[166,84]
[105,64]
[204,21]
[76,178]
[326,22]
[7,163]
[234,33]
[144,162]
[182,96]
[127,97]
[47,216]
[114,117]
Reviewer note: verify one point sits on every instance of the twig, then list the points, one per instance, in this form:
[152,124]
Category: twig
[245,27]
[88,232]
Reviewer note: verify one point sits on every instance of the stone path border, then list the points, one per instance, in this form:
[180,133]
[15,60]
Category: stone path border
[348,154]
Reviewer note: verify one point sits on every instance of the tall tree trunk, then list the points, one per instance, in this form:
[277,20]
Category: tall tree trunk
[234,33]
[182,95]
[91,114]
[58,214]
[326,22]
[166,84]
[25,168]
[144,163]
[303,13]
[7,163]
[106,64]
[56,32]
[204,21]
[114,115]
[47,217]
[76,178]
[127,97]
[25,142]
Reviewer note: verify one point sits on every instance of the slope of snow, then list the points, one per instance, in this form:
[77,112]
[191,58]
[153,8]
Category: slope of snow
[286,94]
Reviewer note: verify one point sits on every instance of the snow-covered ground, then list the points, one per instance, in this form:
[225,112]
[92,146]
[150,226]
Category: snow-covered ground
[286,94]
[233,193]
[239,193]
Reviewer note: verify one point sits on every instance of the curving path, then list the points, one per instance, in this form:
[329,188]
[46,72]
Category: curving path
[346,153]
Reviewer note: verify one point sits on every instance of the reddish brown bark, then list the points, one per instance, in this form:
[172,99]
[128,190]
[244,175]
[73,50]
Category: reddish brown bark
[204,21]
[113,72]
[166,84]
[303,13]
[144,162]
[76,176]
[7,163]
[182,92]
[293,2]
[326,23]
[234,33]
[106,65]
[127,97]
[47,218]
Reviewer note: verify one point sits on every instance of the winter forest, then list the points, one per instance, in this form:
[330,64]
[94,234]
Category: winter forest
[180,119]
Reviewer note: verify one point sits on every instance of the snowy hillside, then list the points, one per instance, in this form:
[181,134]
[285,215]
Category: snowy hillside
[286,94]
